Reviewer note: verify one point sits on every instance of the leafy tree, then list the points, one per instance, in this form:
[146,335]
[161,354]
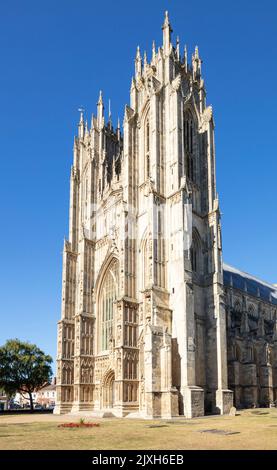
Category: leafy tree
[24,368]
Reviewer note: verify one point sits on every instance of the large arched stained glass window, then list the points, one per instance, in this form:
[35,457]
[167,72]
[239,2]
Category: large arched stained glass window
[108,294]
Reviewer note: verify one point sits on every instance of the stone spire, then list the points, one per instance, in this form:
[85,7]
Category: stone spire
[153,51]
[178,48]
[167,30]
[110,114]
[86,127]
[186,58]
[81,125]
[145,60]
[133,94]
[92,122]
[196,63]
[100,111]
[138,63]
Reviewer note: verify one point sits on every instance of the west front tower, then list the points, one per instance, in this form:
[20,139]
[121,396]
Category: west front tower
[143,313]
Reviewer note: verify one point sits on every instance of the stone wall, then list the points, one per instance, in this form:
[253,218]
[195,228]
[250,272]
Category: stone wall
[251,315]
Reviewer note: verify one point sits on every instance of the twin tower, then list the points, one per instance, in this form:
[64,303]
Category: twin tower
[143,328]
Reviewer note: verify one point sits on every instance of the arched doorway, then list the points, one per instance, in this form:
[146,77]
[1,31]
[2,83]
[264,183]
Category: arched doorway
[108,390]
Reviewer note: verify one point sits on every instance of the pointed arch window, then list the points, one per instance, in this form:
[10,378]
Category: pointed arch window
[107,297]
[188,131]
[194,259]
[147,150]
[195,254]
[188,143]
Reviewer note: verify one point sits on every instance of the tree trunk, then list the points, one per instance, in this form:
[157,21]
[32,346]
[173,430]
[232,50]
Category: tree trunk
[31,401]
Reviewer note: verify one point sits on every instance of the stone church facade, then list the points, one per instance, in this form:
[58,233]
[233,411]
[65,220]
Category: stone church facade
[146,318]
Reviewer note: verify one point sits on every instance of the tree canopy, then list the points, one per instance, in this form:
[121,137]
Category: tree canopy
[24,368]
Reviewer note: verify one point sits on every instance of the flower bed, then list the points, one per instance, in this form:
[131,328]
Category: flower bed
[79,425]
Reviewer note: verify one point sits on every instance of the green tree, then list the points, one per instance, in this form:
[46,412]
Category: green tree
[24,368]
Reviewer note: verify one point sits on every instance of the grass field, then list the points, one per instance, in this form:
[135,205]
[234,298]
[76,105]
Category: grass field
[250,429]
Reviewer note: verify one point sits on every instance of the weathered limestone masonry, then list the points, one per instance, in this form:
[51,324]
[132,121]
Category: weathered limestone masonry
[143,327]
[251,311]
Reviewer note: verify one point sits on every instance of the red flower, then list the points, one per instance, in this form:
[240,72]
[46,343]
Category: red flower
[78,425]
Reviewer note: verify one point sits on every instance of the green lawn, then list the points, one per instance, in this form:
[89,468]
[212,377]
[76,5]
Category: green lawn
[250,429]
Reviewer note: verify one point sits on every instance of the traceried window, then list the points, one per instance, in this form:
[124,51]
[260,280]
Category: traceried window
[194,259]
[188,144]
[147,150]
[195,254]
[188,132]
[108,294]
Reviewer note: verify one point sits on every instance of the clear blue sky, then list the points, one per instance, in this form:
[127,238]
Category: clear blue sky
[55,56]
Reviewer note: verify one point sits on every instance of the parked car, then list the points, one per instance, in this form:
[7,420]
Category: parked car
[14,406]
[37,406]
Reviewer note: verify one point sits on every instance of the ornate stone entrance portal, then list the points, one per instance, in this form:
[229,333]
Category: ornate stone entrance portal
[108,389]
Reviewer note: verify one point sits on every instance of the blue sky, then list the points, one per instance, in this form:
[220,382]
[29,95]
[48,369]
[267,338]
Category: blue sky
[55,57]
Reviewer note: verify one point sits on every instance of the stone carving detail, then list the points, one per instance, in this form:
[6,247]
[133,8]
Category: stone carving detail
[267,354]
[175,85]
[205,119]
[129,113]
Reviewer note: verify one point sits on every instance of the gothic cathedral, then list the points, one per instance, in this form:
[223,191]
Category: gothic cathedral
[143,326]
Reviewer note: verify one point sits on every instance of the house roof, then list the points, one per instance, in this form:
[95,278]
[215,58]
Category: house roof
[48,388]
[250,284]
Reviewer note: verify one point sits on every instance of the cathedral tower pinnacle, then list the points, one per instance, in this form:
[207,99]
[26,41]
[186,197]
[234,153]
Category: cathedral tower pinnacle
[167,30]
[138,63]
[100,111]
[81,125]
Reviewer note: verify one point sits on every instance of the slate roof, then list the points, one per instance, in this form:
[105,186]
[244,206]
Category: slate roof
[251,284]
